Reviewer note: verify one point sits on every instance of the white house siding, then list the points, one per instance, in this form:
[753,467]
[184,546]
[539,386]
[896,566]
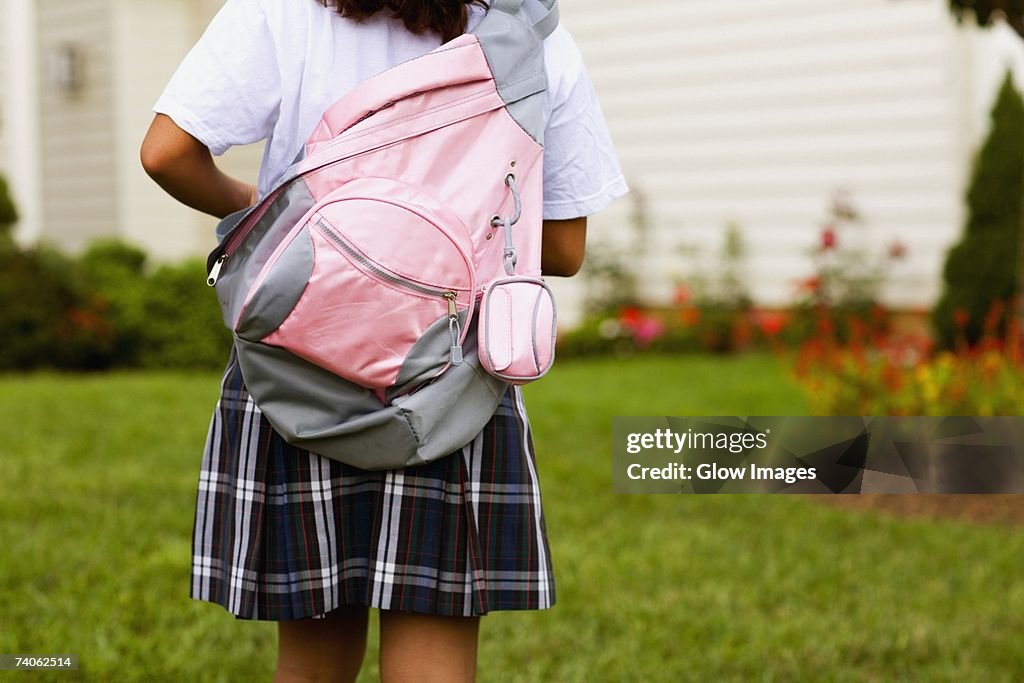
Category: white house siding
[92,181]
[990,53]
[149,38]
[156,35]
[757,112]
[77,135]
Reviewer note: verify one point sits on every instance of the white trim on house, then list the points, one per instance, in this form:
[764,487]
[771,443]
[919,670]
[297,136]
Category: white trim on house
[21,117]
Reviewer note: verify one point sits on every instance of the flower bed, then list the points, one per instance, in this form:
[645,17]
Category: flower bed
[900,374]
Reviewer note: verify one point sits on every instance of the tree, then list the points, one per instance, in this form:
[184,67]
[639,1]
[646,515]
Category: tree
[987,11]
[981,269]
[8,213]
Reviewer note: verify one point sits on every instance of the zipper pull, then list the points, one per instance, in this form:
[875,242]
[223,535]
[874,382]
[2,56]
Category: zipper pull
[215,271]
[454,329]
[452,311]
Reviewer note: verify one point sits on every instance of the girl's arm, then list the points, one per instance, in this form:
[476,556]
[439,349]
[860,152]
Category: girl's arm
[562,244]
[184,167]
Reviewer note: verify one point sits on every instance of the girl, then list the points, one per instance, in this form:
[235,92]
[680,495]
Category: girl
[286,535]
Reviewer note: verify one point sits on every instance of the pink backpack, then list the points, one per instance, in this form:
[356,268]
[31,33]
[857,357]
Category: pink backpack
[386,293]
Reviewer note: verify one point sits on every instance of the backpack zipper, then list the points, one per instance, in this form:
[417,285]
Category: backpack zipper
[237,233]
[215,271]
[377,269]
[454,328]
[390,276]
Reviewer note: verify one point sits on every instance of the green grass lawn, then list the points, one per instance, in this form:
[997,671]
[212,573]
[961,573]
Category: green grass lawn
[99,476]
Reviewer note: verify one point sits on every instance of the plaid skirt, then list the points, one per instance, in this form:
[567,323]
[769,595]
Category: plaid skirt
[281,533]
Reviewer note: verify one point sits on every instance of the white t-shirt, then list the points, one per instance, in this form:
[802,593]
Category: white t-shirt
[267,69]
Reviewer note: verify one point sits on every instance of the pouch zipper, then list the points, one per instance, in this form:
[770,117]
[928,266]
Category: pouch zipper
[390,276]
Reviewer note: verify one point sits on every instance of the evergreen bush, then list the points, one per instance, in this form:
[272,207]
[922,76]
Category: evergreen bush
[8,213]
[981,270]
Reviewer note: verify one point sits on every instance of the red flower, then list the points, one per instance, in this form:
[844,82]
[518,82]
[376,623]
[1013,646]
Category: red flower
[771,324]
[992,318]
[828,238]
[689,316]
[682,294]
[811,284]
[630,316]
[960,317]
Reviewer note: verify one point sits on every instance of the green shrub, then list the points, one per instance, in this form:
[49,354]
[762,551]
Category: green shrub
[47,318]
[115,274]
[34,305]
[982,268]
[167,318]
[183,324]
[106,310]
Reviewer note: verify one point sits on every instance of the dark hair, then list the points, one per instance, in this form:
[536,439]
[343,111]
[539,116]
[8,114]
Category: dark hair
[445,17]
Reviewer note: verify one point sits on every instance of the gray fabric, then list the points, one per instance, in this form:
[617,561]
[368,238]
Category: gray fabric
[273,302]
[228,223]
[451,411]
[547,25]
[510,6]
[515,55]
[544,293]
[314,409]
[427,356]
[243,267]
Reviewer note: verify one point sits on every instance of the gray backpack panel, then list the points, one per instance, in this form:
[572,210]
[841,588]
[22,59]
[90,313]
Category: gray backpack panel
[314,409]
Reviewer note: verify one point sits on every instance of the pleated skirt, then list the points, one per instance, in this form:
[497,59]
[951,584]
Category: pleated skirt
[281,533]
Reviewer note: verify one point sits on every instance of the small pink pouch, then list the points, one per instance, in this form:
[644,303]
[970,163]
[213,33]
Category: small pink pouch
[517,329]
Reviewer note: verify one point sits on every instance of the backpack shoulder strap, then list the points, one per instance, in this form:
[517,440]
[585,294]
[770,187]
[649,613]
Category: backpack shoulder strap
[549,22]
[508,6]
[512,45]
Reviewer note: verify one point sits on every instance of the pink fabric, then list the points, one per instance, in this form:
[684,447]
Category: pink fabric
[461,163]
[450,141]
[458,62]
[356,325]
[517,330]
